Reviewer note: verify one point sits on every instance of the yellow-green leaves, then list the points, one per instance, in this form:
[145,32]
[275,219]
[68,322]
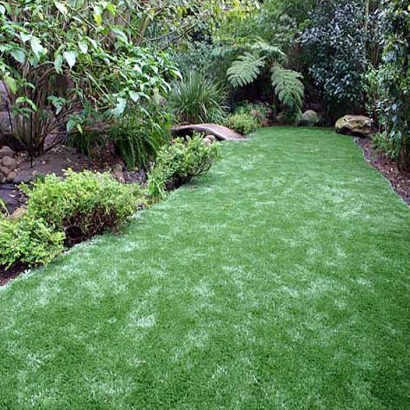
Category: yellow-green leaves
[10,82]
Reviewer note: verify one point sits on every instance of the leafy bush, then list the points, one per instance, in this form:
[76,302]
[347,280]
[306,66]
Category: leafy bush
[83,204]
[335,44]
[381,143]
[72,66]
[137,139]
[257,110]
[180,161]
[243,123]
[198,100]
[28,240]
[393,81]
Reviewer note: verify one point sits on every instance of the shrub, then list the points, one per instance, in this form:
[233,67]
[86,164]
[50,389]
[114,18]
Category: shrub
[137,139]
[180,161]
[198,100]
[73,66]
[335,48]
[28,240]
[243,123]
[393,81]
[83,204]
[257,110]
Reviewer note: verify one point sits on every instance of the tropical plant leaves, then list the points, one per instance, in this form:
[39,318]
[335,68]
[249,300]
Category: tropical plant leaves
[245,69]
[288,87]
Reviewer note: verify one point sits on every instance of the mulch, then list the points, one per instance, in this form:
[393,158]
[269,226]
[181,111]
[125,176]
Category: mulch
[399,181]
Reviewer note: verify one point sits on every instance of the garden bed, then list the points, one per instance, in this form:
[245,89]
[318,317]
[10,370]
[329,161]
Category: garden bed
[399,181]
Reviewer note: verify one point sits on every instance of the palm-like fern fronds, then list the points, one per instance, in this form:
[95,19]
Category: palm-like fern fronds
[288,87]
[245,69]
[265,49]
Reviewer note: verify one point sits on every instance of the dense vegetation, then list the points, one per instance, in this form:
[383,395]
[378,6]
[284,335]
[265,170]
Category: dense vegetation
[72,69]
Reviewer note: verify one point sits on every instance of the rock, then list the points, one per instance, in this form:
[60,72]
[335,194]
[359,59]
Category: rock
[6,152]
[9,162]
[211,137]
[309,118]
[24,176]
[357,125]
[5,171]
[118,174]
[18,213]
[207,141]
[10,177]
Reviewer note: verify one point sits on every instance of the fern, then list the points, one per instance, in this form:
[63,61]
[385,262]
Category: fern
[265,49]
[245,70]
[288,87]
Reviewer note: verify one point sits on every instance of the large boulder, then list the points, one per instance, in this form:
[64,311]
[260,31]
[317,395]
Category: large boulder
[309,118]
[357,125]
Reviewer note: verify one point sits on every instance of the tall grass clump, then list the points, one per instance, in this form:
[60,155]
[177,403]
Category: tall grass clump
[198,100]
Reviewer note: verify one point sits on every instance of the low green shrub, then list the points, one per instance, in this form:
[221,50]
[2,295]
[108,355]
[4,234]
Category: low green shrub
[87,142]
[180,161]
[243,123]
[28,240]
[257,110]
[83,204]
[198,100]
[382,144]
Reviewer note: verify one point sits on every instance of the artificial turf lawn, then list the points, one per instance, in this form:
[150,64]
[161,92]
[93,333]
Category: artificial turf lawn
[278,281]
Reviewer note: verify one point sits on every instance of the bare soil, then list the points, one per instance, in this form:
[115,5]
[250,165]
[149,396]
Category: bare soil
[399,181]
[56,161]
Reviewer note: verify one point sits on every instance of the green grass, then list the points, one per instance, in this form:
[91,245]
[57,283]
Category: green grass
[278,281]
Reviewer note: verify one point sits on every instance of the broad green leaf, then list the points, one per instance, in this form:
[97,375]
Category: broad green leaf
[37,48]
[22,100]
[70,57]
[61,7]
[58,62]
[83,46]
[120,107]
[94,43]
[71,124]
[19,55]
[134,96]
[11,83]
[25,37]
[120,35]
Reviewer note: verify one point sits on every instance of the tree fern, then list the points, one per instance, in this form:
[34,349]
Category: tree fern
[288,87]
[245,69]
[265,49]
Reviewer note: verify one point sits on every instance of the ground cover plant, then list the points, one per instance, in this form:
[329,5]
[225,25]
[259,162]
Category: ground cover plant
[64,212]
[278,280]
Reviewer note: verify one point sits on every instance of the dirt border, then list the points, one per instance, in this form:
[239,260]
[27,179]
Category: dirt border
[399,181]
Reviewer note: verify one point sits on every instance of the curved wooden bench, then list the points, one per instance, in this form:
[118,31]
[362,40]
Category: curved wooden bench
[219,131]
